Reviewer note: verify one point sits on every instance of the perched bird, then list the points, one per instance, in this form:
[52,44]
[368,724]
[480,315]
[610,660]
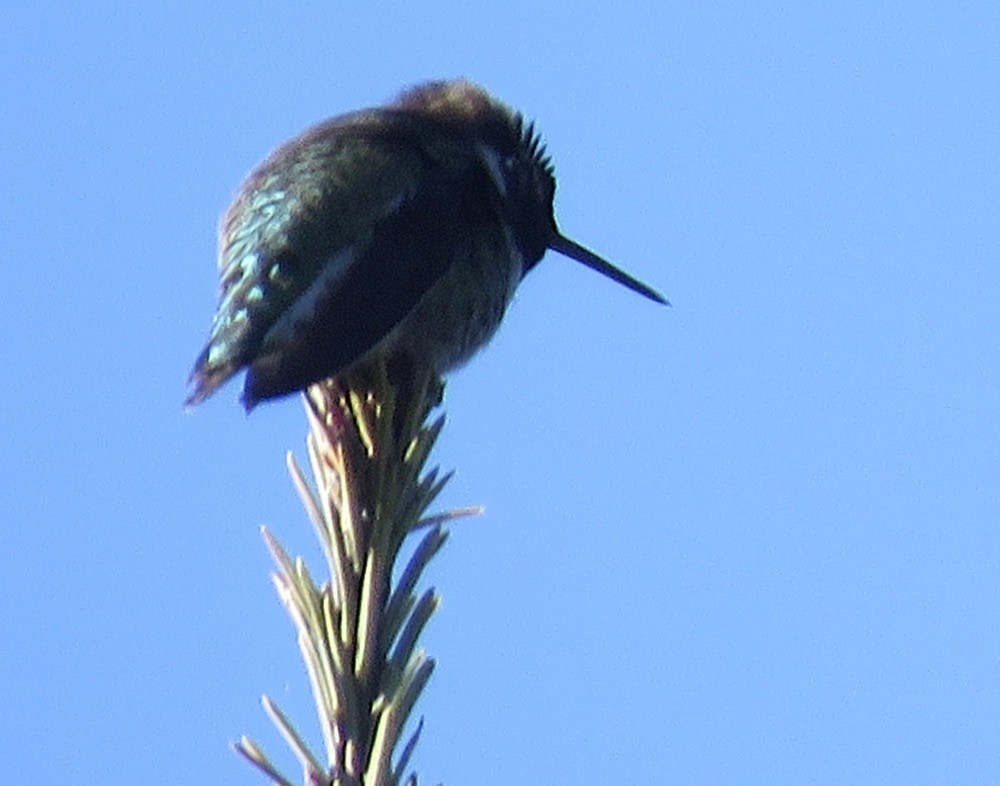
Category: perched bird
[402,229]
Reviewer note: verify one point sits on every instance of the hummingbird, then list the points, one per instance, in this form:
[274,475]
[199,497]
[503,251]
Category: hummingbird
[402,229]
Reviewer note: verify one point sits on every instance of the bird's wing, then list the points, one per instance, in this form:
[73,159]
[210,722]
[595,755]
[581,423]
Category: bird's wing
[298,219]
[369,289]
[329,244]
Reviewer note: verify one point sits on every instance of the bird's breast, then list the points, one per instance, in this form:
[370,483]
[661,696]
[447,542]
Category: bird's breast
[461,312]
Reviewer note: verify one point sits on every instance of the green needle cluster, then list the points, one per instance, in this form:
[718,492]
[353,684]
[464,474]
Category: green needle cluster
[358,631]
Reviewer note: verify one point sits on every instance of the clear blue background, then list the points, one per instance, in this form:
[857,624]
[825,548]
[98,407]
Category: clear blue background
[750,539]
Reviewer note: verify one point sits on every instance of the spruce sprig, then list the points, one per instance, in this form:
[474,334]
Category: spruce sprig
[358,631]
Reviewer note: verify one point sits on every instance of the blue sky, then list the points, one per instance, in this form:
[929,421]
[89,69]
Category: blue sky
[754,538]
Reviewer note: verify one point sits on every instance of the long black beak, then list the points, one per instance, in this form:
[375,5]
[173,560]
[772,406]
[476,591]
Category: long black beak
[584,255]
